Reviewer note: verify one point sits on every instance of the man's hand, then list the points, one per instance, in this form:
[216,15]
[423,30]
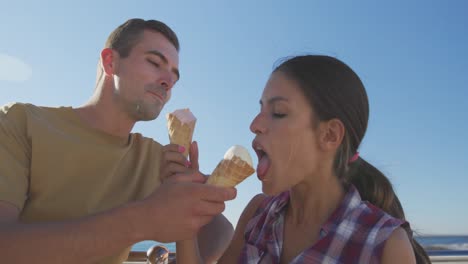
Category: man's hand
[182,204]
[177,210]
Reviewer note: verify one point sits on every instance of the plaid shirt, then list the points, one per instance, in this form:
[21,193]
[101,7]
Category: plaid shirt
[355,233]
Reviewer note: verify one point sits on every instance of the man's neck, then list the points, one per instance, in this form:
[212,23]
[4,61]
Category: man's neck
[106,118]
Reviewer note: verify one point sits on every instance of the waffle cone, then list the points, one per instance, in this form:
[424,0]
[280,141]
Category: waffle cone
[180,133]
[229,173]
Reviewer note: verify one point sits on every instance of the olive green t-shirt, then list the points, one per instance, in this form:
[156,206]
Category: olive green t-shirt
[54,167]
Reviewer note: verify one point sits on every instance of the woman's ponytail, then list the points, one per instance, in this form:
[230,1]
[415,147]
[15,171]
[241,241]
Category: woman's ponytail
[374,187]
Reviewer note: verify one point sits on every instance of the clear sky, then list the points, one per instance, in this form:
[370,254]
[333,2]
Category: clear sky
[411,55]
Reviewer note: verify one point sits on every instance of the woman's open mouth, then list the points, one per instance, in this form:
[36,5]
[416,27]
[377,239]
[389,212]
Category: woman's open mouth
[263,160]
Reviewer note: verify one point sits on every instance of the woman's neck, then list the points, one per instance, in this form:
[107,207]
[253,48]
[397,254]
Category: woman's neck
[312,203]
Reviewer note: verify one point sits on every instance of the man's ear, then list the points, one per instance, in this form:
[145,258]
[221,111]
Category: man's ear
[331,134]
[109,60]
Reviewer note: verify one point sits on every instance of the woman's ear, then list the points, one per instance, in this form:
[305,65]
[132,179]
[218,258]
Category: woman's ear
[108,61]
[331,134]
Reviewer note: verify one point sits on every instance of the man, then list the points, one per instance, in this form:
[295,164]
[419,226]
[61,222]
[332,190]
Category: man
[76,186]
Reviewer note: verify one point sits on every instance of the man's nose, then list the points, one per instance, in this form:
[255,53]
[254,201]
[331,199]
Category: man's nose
[165,84]
[166,81]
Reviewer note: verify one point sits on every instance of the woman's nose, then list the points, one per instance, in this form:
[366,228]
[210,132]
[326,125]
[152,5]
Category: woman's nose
[257,126]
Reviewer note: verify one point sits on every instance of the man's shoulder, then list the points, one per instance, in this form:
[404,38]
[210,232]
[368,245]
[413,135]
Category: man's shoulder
[14,111]
[15,108]
[21,114]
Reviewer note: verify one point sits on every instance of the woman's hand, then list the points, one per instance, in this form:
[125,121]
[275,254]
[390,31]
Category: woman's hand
[174,166]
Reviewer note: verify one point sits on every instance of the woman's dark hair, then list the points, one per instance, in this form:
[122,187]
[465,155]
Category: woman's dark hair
[335,92]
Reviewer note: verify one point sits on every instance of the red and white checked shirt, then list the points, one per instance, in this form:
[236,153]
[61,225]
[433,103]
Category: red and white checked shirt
[355,233]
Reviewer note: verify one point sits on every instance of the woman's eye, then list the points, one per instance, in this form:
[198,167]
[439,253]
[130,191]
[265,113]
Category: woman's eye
[154,63]
[278,115]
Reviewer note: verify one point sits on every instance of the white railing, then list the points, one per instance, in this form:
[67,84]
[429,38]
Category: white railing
[438,257]
[448,256]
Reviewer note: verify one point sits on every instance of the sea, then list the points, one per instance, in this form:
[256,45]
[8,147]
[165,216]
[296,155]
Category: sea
[434,245]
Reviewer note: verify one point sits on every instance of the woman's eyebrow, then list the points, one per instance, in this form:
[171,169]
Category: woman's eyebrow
[274,99]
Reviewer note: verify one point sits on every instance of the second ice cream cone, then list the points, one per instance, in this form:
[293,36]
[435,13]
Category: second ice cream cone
[229,173]
[233,169]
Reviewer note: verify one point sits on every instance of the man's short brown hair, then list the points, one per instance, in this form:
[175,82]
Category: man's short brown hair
[123,38]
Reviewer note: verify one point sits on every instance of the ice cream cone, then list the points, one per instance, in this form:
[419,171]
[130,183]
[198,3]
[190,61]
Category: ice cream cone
[181,125]
[232,170]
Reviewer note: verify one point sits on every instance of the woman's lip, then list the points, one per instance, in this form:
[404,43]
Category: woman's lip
[263,157]
[258,148]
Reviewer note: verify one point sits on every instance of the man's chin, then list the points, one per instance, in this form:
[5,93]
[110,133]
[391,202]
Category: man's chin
[149,114]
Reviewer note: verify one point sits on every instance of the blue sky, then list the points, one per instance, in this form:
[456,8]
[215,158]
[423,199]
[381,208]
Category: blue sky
[411,56]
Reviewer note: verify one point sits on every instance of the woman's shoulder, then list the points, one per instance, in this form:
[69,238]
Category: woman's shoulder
[256,203]
[366,214]
[376,223]
[257,208]
[365,219]
[263,204]
[374,215]
[398,248]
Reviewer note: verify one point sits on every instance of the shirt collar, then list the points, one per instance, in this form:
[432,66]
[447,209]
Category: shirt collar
[351,201]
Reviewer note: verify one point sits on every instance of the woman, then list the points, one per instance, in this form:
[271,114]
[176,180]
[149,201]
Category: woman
[324,203]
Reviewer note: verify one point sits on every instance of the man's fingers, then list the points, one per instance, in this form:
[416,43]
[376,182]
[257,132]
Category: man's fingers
[201,178]
[173,168]
[175,157]
[206,208]
[217,194]
[193,154]
[186,177]
[198,177]
[179,178]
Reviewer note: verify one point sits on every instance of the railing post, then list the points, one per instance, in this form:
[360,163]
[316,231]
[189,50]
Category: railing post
[157,255]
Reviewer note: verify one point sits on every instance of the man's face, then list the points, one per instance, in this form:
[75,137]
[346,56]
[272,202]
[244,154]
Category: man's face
[144,79]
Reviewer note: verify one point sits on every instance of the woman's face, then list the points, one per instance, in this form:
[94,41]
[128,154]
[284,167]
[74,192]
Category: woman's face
[286,140]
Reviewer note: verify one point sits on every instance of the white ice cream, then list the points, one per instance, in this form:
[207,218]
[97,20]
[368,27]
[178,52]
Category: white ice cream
[184,115]
[240,152]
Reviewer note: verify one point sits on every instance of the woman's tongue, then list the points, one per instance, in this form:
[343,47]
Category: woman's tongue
[262,167]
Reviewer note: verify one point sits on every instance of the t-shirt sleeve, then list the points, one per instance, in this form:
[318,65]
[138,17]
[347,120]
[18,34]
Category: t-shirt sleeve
[15,154]
[152,160]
